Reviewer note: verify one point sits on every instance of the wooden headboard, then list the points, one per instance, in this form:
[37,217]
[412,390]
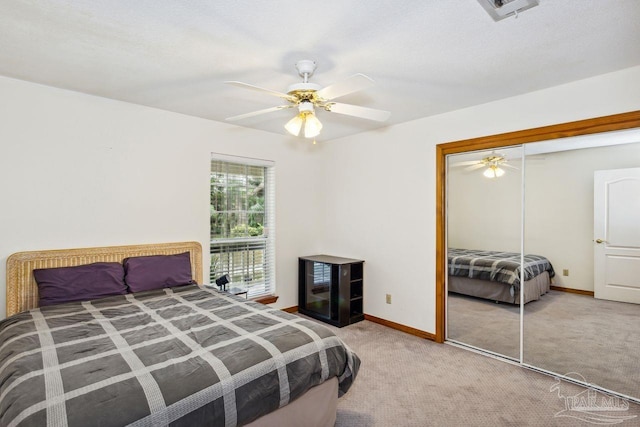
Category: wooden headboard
[22,290]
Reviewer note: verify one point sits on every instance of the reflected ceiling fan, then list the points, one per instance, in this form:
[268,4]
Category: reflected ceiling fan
[308,97]
[494,164]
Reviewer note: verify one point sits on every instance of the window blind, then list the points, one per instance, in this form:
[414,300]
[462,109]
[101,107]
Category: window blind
[243,224]
[321,273]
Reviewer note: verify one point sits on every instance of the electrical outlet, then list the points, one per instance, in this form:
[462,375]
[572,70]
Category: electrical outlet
[565,272]
[388,298]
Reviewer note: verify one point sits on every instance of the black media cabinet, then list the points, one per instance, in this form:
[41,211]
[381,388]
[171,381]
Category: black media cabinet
[330,289]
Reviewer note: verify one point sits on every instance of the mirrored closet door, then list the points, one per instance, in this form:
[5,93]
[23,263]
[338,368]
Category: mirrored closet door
[582,211]
[566,212]
[484,194]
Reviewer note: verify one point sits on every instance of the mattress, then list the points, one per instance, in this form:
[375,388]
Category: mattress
[181,356]
[317,407]
[533,289]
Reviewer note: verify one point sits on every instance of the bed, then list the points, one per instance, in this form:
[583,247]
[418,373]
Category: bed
[495,275]
[178,355]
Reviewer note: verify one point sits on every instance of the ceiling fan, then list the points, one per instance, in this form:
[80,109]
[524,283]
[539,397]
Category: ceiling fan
[493,163]
[308,97]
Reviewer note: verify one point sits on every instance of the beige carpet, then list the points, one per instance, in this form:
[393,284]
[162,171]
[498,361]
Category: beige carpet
[484,324]
[408,381]
[564,332]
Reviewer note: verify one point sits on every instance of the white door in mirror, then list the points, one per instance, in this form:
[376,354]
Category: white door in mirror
[617,235]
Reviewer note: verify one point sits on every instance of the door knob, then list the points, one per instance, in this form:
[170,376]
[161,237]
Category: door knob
[599,241]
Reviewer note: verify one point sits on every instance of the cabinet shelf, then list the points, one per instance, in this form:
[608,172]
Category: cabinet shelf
[331,289]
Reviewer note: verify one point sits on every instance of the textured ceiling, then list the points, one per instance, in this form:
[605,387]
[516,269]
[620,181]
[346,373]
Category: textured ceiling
[426,56]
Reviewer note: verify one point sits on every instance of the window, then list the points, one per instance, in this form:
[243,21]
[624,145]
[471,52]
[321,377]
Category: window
[243,223]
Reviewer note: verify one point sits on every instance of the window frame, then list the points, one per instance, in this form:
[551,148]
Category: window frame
[245,246]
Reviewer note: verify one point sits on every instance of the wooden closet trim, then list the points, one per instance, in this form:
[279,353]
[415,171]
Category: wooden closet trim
[582,127]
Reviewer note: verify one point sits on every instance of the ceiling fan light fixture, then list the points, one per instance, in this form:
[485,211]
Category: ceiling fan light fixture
[493,171]
[294,125]
[312,126]
[305,118]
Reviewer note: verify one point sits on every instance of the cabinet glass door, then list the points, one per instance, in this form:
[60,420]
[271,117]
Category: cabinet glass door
[318,288]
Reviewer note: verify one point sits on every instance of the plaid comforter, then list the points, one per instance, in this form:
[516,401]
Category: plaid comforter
[178,356]
[496,266]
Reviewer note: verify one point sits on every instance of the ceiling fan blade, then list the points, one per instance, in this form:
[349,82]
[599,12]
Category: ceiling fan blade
[357,111]
[474,167]
[349,85]
[506,165]
[257,113]
[468,163]
[260,89]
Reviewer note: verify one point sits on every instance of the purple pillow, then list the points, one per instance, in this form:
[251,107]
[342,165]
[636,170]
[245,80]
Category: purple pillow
[81,283]
[144,273]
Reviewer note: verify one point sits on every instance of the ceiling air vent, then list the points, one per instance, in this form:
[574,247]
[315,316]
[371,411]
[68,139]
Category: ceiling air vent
[500,9]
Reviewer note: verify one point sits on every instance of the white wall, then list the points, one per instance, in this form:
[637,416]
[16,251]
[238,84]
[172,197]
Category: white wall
[484,213]
[82,171]
[380,186]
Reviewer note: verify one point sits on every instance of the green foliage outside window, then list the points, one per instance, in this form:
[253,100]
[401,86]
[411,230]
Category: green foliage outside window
[237,203]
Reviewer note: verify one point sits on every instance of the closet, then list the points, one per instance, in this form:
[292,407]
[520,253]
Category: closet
[563,201]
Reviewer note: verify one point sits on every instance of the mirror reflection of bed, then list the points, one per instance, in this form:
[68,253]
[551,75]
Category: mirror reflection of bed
[566,329]
[478,276]
[479,218]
